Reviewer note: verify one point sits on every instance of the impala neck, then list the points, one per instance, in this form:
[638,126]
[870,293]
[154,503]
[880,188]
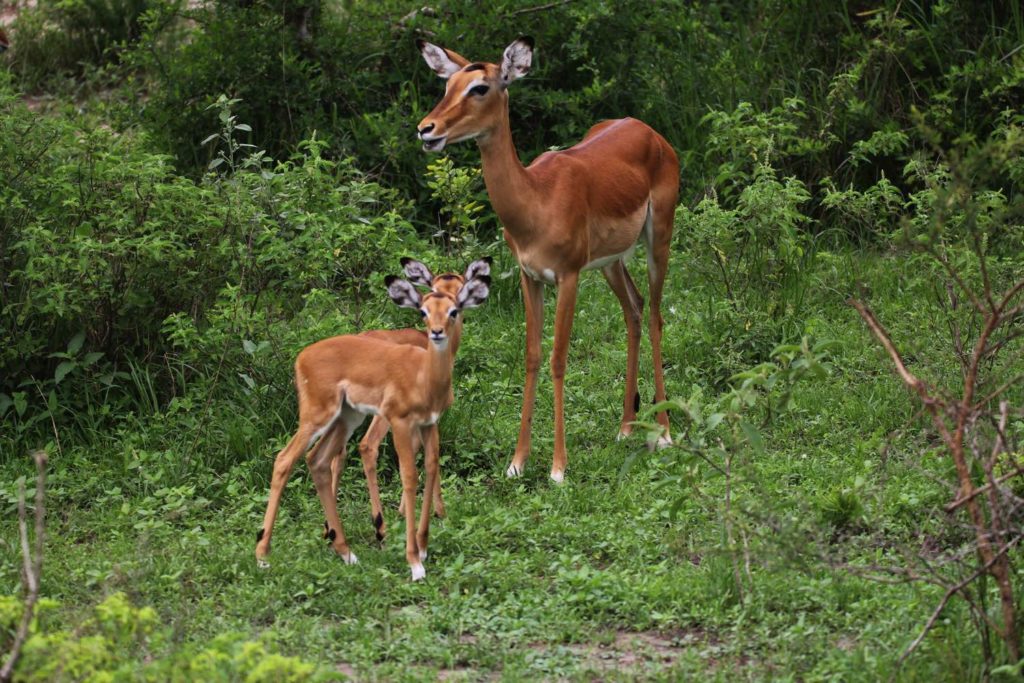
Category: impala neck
[507,181]
[439,368]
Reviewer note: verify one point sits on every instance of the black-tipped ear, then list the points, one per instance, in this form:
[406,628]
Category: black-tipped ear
[478,268]
[517,60]
[417,272]
[402,292]
[474,292]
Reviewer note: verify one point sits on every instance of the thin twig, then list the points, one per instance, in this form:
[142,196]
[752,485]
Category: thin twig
[950,592]
[33,565]
[539,8]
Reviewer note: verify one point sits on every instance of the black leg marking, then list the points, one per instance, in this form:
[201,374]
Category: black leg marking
[259,535]
[636,402]
[327,529]
[378,522]
[331,535]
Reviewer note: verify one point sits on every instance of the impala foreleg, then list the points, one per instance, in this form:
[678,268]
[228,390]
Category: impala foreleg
[430,465]
[283,464]
[533,301]
[402,433]
[320,461]
[632,310]
[564,311]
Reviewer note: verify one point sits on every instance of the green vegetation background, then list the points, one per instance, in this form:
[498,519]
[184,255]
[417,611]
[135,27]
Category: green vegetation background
[200,190]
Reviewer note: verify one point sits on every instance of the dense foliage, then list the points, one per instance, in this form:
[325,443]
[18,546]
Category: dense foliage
[192,192]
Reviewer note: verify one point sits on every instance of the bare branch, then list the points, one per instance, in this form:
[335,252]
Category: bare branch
[33,565]
[950,592]
[539,8]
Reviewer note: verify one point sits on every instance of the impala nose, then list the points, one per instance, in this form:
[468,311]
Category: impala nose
[426,129]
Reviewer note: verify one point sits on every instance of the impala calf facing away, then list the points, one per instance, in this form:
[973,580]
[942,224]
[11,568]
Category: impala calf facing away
[343,379]
[369,448]
[577,209]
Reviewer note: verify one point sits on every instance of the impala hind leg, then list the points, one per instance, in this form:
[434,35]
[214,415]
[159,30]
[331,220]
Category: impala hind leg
[320,462]
[659,239]
[533,300]
[283,464]
[632,310]
[335,449]
[369,451]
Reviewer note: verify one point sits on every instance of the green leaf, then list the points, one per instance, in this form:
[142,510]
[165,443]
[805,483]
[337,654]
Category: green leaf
[92,357]
[5,404]
[249,346]
[243,126]
[714,420]
[63,369]
[75,345]
[20,402]
[215,163]
[753,437]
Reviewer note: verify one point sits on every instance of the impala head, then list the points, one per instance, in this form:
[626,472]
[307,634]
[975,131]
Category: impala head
[440,310]
[447,283]
[475,95]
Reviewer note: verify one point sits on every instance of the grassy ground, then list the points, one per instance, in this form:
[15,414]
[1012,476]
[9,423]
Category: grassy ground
[614,575]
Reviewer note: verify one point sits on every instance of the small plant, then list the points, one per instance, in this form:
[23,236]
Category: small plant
[457,188]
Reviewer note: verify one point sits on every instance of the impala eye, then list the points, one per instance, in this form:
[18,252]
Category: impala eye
[423,313]
[454,313]
[480,90]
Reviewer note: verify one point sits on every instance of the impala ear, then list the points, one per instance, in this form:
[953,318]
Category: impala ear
[443,62]
[402,292]
[474,292]
[417,272]
[478,268]
[517,60]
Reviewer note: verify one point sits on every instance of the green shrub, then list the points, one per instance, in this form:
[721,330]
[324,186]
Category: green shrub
[108,256]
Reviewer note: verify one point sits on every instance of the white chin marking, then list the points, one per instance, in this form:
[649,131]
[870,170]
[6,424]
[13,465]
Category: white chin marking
[423,555]
[440,344]
[262,564]
[350,558]
[512,472]
[418,572]
[434,145]
[557,477]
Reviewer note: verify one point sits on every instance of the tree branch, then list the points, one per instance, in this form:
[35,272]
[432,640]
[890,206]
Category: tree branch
[33,565]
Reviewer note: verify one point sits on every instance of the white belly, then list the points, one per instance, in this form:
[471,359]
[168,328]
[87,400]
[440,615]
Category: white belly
[608,260]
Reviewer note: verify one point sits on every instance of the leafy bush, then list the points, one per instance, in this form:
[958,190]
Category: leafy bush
[110,256]
[61,38]
[121,642]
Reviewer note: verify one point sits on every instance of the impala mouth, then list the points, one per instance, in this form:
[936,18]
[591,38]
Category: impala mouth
[434,144]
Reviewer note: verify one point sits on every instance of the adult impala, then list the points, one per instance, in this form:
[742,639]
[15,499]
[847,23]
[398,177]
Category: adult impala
[343,379]
[572,210]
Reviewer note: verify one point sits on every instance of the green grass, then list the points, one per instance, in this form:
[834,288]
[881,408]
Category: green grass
[613,575]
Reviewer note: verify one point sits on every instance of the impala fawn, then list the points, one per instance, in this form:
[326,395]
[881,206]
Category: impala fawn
[343,379]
